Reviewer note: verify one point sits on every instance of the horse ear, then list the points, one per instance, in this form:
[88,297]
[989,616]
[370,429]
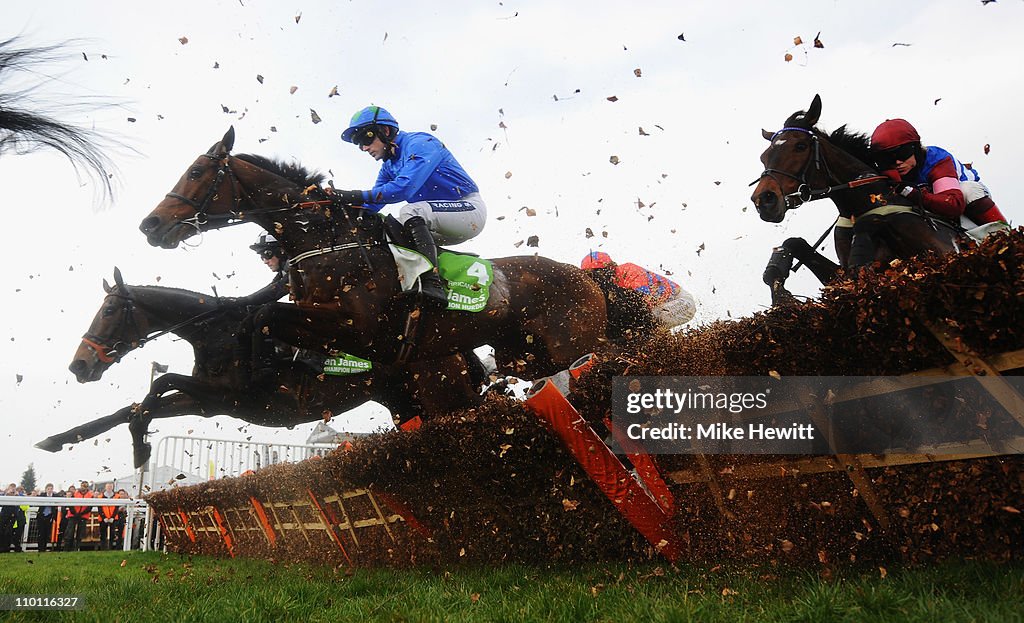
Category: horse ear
[766,134]
[118,280]
[106,286]
[228,142]
[814,112]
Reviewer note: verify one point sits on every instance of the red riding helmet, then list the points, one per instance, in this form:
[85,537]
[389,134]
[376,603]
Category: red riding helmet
[596,259]
[892,133]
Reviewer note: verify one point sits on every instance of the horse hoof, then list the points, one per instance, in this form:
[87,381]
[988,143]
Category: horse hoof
[50,445]
[142,453]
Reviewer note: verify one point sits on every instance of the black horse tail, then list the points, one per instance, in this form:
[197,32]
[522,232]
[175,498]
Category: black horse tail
[628,313]
[22,131]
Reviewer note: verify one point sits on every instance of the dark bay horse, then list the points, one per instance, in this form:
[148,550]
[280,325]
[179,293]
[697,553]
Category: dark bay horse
[132,315]
[541,315]
[802,164]
[22,130]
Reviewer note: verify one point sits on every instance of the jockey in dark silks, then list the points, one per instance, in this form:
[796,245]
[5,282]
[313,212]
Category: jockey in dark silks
[263,351]
[443,204]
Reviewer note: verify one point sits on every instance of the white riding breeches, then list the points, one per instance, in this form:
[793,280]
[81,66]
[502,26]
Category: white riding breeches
[677,310]
[451,221]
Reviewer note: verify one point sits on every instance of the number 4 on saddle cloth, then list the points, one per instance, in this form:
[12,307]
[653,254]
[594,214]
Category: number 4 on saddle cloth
[468,277]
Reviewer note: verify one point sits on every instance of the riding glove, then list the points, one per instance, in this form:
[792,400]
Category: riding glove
[348,197]
[906,190]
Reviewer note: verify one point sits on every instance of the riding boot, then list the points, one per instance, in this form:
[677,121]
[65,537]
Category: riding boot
[430,282]
[779,266]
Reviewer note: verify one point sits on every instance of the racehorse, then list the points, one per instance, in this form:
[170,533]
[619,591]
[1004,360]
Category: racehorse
[802,164]
[23,131]
[541,315]
[131,316]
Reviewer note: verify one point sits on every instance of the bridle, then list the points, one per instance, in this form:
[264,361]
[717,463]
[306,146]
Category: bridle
[239,193]
[114,352]
[815,163]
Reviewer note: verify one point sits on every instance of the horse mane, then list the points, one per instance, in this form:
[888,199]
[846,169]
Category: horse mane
[291,171]
[22,131]
[854,143]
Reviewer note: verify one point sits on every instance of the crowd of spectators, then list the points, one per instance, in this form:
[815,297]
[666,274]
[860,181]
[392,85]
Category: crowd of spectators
[62,528]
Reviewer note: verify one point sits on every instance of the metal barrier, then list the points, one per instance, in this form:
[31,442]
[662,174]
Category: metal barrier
[197,459]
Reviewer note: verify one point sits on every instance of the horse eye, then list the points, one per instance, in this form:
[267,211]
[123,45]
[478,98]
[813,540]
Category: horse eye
[108,311]
[800,146]
[195,173]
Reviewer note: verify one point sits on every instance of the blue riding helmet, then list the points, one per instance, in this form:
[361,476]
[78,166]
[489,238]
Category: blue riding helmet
[369,116]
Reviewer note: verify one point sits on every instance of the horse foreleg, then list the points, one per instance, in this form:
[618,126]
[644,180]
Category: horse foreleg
[86,431]
[820,266]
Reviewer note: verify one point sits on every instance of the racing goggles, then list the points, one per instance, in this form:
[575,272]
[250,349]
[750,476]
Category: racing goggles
[887,159]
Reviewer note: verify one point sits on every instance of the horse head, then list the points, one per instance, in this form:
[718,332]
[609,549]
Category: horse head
[115,330]
[787,163]
[198,200]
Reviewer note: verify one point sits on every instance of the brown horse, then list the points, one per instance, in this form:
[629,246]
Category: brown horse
[541,315]
[131,316]
[802,164]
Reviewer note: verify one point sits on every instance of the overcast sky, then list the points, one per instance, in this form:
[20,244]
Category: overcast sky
[522,94]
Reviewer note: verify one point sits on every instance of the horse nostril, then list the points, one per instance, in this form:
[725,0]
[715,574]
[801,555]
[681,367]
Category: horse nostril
[149,224]
[766,201]
[77,367]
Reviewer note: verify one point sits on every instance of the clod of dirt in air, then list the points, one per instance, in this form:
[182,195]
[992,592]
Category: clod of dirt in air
[508,174]
[937,100]
[987,148]
[797,40]
[182,40]
[614,160]
[315,117]
[637,72]
[642,133]
[612,98]
[298,17]
[334,91]
[259,78]
[681,37]
[533,241]
[292,90]
[817,41]
[433,127]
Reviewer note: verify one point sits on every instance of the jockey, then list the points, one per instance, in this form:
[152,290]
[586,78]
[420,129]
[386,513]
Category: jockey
[931,177]
[443,204]
[670,304]
[273,255]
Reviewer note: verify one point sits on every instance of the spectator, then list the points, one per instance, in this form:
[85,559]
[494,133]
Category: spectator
[119,521]
[107,516]
[20,514]
[8,517]
[63,513]
[76,518]
[44,519]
